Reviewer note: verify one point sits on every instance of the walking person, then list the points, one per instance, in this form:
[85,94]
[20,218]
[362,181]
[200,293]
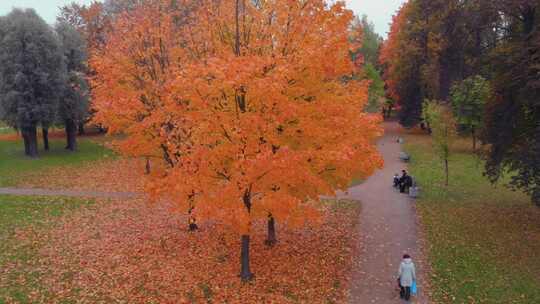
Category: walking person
[406,277]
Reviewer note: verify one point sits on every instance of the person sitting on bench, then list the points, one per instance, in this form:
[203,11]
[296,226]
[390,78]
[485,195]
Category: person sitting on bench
[396,180]
[405,182]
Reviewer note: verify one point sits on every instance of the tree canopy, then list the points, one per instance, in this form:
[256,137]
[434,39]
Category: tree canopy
[468,99]
[244,101]
[31,74]
[74,102]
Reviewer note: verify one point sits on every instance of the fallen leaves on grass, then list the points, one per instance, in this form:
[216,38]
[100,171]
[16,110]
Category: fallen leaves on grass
[112,175]
[135,253]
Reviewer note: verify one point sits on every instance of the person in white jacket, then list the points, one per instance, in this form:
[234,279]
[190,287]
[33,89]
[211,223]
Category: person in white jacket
[406,276]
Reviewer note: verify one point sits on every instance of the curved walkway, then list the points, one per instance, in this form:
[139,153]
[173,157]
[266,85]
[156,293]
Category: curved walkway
[388,228]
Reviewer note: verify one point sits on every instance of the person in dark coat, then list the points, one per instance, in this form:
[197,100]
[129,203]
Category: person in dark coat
[403,181]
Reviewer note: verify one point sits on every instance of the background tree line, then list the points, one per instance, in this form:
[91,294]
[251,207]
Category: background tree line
[44,69]
[42,77]
[366,56]
[480,58]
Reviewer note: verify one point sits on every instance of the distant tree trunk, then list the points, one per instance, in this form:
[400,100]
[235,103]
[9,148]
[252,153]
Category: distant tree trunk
[536,197]
[192,220]
[147,167]
[473,133]
[30,141]
[389,111]
[71,134]
[81,128]
[26,145]
[271,239]
[45,133]
[446,171]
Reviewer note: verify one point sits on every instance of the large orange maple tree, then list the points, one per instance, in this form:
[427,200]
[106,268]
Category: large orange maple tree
[246,103]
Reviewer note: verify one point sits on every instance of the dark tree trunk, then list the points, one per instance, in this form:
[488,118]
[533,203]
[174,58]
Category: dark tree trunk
[446,171]
[81,128]
[193,224]
[192,220]
[536,197]
[473,133]
[271,239]
[30,141]
[71,134]
[245,272]
[45,133]
[26,145]
[147,167]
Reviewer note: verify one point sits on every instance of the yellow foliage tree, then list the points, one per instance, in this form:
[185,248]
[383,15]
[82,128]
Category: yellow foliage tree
[245,101]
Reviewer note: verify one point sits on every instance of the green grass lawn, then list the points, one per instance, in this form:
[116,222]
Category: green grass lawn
[4,129]
[23,231]
[483,240]
[13,162]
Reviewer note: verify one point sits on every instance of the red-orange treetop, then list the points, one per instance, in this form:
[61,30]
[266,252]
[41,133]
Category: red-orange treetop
[247,103]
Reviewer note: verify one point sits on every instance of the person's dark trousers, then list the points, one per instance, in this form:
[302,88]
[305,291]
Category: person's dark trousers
[405,293]
[402,188]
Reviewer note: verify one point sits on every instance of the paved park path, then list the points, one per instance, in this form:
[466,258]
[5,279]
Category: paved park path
[388,229]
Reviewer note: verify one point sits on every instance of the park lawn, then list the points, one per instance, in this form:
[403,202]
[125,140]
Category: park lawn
[4,129]
[132,252]
[14,164]
[24,222]
[483,240]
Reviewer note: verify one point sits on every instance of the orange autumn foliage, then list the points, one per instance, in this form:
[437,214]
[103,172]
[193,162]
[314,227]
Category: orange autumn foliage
[245,102]
[391,51]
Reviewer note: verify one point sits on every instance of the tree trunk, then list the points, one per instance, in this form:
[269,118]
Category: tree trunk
[30,141]
[446,170]
[147,167]
[45,133]
[271,239]
[71,135]
[245,272]
[81,128]
[193,224]
[192,220]
[536,197]
[473,133]
[26,145]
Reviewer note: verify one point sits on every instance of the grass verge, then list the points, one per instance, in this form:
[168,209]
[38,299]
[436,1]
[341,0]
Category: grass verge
[483,240]
[13,162]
